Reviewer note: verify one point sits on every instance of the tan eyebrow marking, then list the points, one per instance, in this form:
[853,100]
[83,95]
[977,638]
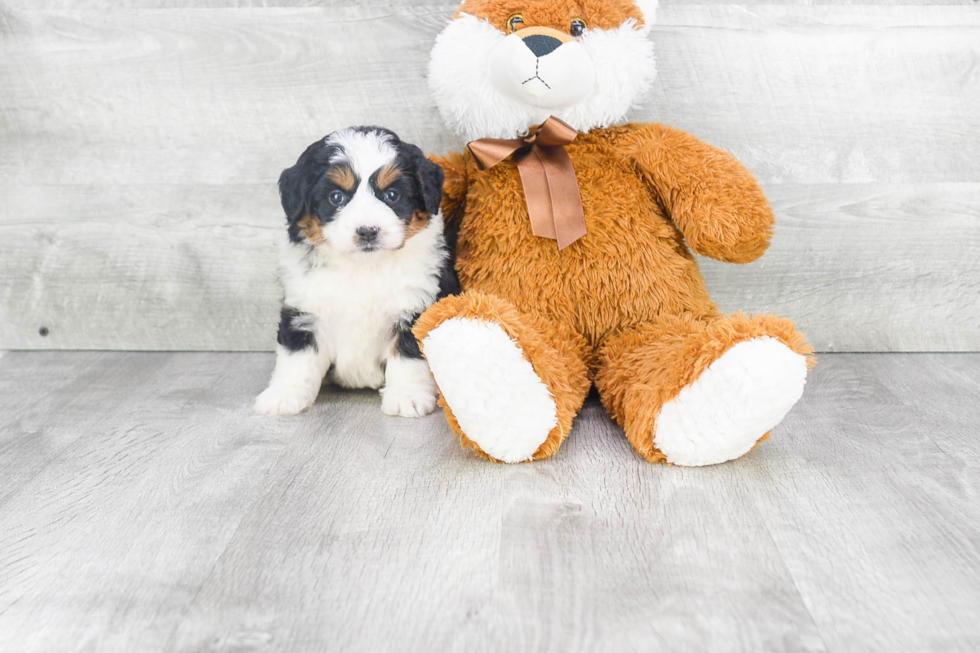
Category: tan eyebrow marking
[343,176]
[387,175]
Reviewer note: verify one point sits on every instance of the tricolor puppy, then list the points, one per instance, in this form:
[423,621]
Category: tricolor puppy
[365,255]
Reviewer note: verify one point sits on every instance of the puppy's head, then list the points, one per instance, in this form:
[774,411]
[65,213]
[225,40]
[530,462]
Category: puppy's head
[360,190]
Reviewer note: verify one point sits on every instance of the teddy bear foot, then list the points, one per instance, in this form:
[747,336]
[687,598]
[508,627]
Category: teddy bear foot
[732,405]
[498,400]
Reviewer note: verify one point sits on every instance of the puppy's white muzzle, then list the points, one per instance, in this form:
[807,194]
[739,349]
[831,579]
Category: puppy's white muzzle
[542,68]
[365,213]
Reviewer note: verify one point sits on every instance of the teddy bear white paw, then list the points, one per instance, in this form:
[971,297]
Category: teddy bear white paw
[724,412]
[283,400]
[409,401]
[499,401]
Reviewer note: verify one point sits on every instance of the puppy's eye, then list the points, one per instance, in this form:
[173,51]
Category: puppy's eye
[515,22]
[392,195]
[578,27]
[336,198]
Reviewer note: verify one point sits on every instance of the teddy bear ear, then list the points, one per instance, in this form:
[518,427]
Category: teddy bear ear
[649,9]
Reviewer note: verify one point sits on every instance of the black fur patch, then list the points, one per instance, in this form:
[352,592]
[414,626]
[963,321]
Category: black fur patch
[294,330]
[406,188]
[305,188]
[448,281]
[405,344]
[428,176]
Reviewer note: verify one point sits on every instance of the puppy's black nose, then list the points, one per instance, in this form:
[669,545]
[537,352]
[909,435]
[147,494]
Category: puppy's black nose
[541,44]
[367,234]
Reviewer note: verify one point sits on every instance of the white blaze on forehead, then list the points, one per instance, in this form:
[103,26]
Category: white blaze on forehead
[364,151]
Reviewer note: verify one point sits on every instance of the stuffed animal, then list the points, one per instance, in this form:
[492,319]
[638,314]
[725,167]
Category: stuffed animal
[574,247]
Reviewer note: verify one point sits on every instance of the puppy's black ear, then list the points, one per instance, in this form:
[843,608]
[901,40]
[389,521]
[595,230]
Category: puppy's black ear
[296,183]
[429,176]
[291,192]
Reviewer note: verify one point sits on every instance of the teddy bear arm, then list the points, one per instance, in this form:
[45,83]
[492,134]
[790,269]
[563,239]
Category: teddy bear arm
[454,189]
[710,196]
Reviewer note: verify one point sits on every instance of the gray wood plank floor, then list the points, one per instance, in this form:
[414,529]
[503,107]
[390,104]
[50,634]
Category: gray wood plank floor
[144,508]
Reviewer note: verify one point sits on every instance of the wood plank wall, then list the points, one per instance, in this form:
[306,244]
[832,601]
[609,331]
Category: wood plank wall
[140,141]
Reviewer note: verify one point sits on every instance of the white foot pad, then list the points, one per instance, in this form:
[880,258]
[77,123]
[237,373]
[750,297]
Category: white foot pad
[740,397]
[408,402]
[283,400]
[409,389]
[498,400]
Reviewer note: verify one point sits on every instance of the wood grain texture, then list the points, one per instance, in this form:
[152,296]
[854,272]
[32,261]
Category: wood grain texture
[141,146]
[160,515]
[132,497]
[902,422]
[179,281]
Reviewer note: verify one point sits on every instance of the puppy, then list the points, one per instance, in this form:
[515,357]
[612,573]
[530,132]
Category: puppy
[365,255]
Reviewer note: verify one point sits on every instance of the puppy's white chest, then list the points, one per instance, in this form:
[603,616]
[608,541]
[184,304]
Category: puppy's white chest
[356,324]
[356,309]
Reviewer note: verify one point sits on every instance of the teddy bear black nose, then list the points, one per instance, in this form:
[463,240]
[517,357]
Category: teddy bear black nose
[541,44]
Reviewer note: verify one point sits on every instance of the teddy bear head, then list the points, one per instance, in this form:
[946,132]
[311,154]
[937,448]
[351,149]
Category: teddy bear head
[501,66]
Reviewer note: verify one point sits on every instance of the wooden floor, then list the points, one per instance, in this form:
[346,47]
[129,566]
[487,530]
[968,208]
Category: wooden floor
[144,508]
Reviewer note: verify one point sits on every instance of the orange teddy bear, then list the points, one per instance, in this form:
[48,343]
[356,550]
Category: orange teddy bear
[574,247]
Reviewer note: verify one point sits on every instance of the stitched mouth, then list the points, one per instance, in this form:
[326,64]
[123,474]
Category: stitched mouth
[537,64]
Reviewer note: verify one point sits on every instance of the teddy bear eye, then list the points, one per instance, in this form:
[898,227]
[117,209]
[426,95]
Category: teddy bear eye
[578,27]
[515,22]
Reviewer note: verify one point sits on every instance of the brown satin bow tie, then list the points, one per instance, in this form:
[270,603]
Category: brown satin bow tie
[554,203]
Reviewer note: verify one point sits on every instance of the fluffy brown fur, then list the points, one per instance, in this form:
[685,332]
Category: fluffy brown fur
[669,354]
[634,265]
[626,305]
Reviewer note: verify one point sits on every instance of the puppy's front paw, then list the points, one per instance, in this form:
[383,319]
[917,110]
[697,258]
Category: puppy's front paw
[409,401]
[282,400]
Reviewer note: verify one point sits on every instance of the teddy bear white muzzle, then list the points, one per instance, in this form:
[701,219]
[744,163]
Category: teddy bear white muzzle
[542,68]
